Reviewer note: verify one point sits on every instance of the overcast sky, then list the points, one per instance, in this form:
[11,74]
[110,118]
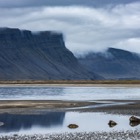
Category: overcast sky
[88,25]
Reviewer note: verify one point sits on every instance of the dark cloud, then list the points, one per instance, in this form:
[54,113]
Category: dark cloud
[86,28]
[38,3]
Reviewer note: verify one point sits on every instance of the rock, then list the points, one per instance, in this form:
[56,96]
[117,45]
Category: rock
[112,123]
[133,124]
[1,123]
[73,126]
[134,119]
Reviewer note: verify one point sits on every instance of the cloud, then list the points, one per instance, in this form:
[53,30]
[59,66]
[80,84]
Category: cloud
[132,44]
[38,3]
[85,28]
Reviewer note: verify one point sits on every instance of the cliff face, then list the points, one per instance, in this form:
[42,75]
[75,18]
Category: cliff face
[113,64]
[37,56]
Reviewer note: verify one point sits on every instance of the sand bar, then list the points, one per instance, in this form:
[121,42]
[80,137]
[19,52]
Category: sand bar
[109,106]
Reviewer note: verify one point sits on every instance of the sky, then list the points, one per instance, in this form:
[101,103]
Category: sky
[87,25]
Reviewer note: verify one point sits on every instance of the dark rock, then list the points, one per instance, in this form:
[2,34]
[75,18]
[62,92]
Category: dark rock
[134,119]
[112,123]
[73,126]
[25,55]
[133,124]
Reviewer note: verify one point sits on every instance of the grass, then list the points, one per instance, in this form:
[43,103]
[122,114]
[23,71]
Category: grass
[70,82]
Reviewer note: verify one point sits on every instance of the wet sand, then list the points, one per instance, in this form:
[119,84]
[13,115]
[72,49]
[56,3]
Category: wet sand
[27,106]
[130,107]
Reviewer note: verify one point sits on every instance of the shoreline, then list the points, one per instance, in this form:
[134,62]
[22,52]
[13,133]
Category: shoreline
[129,107]
[69,82]
[41,106]
[116,135]
[70,85]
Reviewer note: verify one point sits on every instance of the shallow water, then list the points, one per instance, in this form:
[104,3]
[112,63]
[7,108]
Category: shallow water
[68,93]
[57,122]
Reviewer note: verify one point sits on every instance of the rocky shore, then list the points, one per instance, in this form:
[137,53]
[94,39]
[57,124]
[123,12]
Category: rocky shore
[122,135]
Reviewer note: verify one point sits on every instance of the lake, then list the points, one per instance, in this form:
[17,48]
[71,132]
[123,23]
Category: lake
[68,93]
[57,122]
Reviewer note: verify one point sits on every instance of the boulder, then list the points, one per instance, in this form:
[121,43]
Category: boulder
[73,126]
[112,123]
[134,119]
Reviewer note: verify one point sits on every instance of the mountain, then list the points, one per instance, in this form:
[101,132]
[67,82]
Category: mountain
[113,64]
[26,55]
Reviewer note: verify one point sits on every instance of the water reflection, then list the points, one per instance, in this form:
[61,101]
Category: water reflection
[133,124]
[58,122]
[20,92]
[15,122]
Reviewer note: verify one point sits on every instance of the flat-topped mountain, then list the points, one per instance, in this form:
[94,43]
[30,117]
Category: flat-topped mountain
[25,55]
[113,64]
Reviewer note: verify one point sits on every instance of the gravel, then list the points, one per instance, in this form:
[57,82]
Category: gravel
[123,135]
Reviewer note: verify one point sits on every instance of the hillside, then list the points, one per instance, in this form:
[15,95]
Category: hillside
[25,55]
[113,64]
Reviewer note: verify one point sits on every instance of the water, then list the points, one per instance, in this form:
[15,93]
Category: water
[68,93]
[57,122]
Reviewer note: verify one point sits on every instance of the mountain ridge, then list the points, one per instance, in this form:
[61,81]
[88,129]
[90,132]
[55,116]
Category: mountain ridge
[115,64]
[25,55]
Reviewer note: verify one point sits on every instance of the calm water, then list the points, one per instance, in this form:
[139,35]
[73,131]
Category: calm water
[69,93]
[56,122]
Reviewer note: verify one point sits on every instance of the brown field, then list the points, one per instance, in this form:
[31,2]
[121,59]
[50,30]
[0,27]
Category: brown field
[71,82]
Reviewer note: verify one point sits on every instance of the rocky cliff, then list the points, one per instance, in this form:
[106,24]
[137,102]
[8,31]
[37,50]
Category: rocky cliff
[113,64]
[25,55]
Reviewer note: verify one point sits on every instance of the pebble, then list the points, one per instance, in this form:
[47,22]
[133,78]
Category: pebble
[123,135]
